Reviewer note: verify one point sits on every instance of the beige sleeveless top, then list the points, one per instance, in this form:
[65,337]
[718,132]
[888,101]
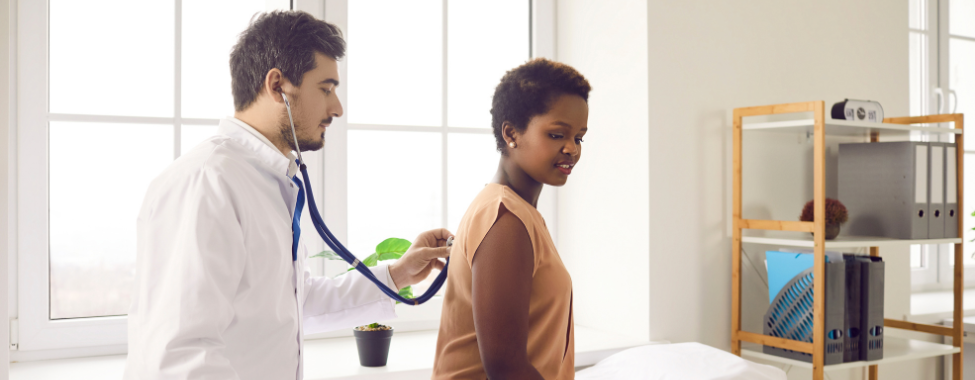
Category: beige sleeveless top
[550,335]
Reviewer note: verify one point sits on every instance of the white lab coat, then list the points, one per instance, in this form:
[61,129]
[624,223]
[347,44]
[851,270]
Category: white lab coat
[217,295]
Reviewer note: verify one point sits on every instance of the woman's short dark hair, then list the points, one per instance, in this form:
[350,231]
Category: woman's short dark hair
[529,90]
[286,40]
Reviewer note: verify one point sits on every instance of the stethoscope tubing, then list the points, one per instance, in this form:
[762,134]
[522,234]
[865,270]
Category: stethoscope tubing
[337,246]
[343,252]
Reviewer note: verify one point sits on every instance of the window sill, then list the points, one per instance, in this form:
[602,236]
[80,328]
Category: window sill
[935,307]
[410,357]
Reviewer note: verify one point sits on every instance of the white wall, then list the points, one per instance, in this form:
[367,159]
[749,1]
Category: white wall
[4,142]
[603,211]
[708,57]
[651,196]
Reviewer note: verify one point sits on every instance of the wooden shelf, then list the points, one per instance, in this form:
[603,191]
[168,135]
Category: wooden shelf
[798,239]
[797,234]
[847,128]
[895,350]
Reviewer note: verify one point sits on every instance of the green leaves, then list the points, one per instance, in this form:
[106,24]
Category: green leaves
[329,255]
[369,261]
[406,292]
[389,249]
[392,248]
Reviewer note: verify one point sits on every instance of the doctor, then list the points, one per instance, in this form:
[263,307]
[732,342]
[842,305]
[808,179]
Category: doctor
[217,293]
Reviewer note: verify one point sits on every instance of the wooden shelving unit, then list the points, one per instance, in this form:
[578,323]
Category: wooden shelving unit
[795,233]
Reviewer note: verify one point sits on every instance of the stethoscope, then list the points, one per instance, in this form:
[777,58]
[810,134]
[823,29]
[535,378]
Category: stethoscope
[337,246]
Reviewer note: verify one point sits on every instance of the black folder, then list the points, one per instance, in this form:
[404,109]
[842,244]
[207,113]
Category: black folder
[852,321]
[872,310]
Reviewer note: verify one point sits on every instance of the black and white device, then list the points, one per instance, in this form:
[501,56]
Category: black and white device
[858,110]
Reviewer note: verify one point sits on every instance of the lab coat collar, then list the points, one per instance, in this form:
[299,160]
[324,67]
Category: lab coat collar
[235,128]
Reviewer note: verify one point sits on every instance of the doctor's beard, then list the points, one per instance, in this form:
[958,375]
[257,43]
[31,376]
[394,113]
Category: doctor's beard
[305,144]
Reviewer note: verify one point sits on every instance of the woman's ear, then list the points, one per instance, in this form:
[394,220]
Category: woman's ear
[509,133]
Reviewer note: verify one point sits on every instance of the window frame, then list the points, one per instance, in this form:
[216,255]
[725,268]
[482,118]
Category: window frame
[542,44]
[937,271]
[36,330]
[944,42]
[38,337]
[927,273]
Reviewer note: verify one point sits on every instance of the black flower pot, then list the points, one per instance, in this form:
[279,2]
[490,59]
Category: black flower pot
[373,346]
[832,230]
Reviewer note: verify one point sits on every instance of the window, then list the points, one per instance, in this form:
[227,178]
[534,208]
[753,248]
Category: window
[125,89]
[942,80]
[417,91]
[422,75]
[416,144]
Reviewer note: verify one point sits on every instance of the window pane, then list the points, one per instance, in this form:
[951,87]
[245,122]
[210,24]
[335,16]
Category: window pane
[394,187]
[916,262]
[485,39]
[191,135]
[207,41]
[962,77]
[472,161]
[917,14]
[395,62]
[99,174]
[960,16]
[112,57]
[918,75]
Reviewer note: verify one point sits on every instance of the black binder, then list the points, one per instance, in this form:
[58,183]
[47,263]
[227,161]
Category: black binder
[852,320]
[872,310]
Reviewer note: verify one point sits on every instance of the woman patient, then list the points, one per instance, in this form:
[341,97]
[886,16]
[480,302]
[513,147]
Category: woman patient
[507,311]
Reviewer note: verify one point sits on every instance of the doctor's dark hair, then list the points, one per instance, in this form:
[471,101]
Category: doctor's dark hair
[286,40]
[529,90]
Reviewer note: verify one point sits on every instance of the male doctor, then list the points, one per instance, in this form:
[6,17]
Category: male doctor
[217,293]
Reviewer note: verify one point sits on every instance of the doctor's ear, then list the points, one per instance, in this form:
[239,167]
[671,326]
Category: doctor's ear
[274,84]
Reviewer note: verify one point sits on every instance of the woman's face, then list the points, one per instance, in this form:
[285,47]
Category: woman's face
[551,145]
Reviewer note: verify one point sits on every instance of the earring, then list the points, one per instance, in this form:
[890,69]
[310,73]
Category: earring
[512,145]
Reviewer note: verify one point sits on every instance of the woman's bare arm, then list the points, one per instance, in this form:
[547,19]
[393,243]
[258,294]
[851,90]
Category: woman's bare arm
[501,288]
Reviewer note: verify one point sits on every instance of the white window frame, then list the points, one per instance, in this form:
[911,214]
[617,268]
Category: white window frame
[926,276]
[936,272]
[36,331]
[427,317]
[37,336]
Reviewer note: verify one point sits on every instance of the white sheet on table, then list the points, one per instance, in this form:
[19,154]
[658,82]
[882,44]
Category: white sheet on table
[680,361]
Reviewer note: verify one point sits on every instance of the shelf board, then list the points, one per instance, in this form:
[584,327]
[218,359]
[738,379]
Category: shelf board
[845,127]
[842,241]
[895,350]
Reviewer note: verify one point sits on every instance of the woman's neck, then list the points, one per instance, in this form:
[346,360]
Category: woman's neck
[524,185]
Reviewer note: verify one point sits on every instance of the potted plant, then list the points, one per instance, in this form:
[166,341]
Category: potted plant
[835,216]
[373,340]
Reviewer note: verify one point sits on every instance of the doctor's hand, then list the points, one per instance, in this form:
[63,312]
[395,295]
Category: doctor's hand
[422,257]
